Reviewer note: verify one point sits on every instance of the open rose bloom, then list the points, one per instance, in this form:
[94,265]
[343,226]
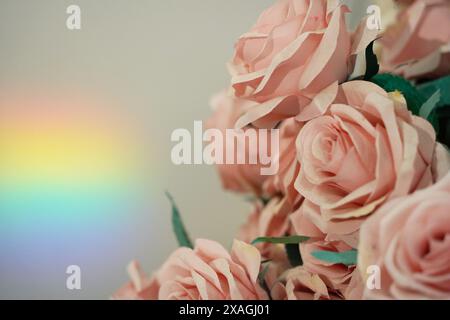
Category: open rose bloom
[208,272]
[366,149]
[359,207]
[409,239]
[296,49]
[417,44]
[245,178]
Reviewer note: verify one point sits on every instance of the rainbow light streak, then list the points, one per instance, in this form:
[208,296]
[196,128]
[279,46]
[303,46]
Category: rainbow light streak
[70,180]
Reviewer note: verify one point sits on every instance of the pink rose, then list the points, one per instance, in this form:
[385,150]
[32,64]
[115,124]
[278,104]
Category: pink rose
[282,183]
[343,281]
[209,272]
[296,49]
[336,276]
[299,284]
[245,178]
[140,287]
[355,288]
[366,149]
[418,44]
[271,220]
[409,240]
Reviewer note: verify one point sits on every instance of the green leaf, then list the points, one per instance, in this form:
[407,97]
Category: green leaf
[347,258]
[291,246]
[390,83]
[282,240]
[429,110]
[372,66]
[429,88]
[178,226]
[293,254]
[439,116]
[443,115]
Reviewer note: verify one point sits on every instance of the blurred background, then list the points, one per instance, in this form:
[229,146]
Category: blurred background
[85,123]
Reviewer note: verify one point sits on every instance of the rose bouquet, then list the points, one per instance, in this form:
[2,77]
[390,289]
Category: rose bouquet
[360,204]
